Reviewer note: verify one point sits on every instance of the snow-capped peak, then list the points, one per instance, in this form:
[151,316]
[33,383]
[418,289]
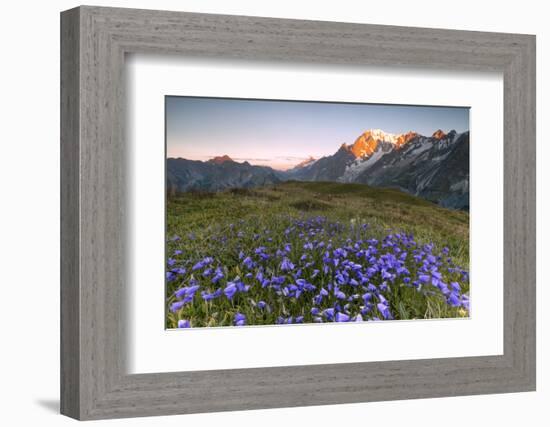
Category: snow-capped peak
[306,162]
[381,135]
[439,134]
[368,141]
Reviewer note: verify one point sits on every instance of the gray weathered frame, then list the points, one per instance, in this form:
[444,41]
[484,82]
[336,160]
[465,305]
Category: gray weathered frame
[94,41]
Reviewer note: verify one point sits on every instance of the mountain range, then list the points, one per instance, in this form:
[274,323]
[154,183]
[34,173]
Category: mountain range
[433,167]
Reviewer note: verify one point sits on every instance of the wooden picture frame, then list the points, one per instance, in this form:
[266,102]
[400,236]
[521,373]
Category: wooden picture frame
[94,382]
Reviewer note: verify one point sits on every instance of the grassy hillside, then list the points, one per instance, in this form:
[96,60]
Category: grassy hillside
[229,253]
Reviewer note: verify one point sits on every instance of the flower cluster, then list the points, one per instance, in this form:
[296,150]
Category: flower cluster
[311,270]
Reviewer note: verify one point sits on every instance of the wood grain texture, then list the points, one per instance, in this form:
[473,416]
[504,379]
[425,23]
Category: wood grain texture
[70,292]
[94,381]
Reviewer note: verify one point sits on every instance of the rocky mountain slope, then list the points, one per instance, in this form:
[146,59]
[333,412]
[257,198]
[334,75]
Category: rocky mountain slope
[435,168]
[216,174]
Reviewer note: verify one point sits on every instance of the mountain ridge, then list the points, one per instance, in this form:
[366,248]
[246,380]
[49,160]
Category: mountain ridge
[221,159]
[432,167]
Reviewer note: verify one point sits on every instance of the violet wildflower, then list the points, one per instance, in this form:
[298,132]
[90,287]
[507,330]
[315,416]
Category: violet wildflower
[455,286]
[453,300]
[424,278]
[329,313]
[339,294]
[240,319]
[342,317]
[384,310]
[218,275]
[176,306]
[230,290]
[184,323]
[248,263]
[465,300]
[286,265]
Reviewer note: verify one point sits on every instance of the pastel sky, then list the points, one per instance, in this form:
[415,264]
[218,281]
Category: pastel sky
[281,134]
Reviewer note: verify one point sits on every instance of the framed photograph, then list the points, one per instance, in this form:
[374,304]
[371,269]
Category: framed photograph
[296,227]
[261,213]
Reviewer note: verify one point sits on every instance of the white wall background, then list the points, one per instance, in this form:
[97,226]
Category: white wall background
[29,212]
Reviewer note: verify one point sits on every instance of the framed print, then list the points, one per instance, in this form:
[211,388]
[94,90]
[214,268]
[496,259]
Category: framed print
[291,243]
[303,212]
